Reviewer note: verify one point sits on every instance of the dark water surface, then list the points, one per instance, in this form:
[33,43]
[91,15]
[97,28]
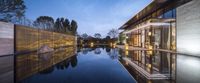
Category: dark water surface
[87,66]
[97,65]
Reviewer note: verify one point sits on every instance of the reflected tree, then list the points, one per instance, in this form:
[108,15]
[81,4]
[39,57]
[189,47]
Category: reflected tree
[97,51]
[74,61]
[47,71]
[63,65]
[107,49]
[85,51]
[113,53]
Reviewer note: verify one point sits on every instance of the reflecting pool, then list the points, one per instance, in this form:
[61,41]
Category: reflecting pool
[88,65]
[99,65]
[176,67]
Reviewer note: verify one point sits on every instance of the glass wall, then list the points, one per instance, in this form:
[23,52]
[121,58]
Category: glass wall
[156,31]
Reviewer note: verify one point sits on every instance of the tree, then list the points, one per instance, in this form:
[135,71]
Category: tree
[57,25]
[97,35]
[44,22]
[11,9]
[62,27]
[122,37]
[113,33]
[67,25]
[74,27]
[84,36]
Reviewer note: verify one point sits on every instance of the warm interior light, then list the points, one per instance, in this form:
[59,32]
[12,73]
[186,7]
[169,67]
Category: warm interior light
[114,45]
[126,46]
[150,47]
[111,44]
[148,65]
[149,33]
[91,44]
[126,52]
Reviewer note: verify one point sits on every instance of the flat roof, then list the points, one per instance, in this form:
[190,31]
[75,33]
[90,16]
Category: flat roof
[152,7]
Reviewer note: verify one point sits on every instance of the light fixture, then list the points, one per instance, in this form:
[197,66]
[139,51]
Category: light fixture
[91,44]
[126,46]
[149,33]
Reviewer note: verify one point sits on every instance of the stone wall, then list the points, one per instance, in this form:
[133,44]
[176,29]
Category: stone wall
[6,38]
[188,28]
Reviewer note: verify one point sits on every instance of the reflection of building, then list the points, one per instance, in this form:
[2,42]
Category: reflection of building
[153,27]
[161,65]
[30,64]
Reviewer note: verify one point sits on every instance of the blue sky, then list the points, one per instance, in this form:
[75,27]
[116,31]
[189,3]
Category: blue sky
[93,16]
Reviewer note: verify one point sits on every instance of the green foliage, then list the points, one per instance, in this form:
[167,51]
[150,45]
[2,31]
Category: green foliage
[11,9]
[122,37]
[84,36]
[74,27]
[113,33]
[64,26]
[44,22]
[97,35]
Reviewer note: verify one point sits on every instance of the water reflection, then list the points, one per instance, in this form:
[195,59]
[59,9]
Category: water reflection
[113,53]
[65,65]
[179,68]
[188,69]
[30,64]
[97,51]
[97,65]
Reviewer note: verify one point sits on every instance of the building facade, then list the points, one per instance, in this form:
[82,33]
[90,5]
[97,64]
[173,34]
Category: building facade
[154,27]
[163,30]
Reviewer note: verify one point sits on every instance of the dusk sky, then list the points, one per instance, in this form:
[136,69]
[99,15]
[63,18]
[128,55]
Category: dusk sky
[93,16]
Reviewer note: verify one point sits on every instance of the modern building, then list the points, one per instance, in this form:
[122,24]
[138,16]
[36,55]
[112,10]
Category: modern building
[171,25]
[158,34]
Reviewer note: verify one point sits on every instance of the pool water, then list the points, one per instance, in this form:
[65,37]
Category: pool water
[89,65]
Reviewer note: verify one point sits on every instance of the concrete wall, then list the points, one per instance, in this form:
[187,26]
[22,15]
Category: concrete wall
[6,38]
[188,28]
[7,69]
[187,69]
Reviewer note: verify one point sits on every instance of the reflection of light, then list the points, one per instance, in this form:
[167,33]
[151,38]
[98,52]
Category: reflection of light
[148,65]
[126,62]
[192,62]
[126,52]
[110,44]
[126,46]
[149,81]
[114,45]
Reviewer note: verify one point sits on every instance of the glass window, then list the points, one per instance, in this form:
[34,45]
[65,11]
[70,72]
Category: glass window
[174,13]
[168,14]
